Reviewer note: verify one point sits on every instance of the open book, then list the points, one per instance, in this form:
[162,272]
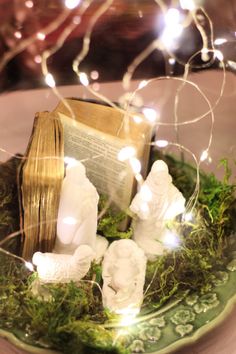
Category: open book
[91,133]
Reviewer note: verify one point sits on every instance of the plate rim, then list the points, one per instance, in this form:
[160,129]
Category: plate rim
[200,332]
[180,343]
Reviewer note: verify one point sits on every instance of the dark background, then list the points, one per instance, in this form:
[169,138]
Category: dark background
[119,35]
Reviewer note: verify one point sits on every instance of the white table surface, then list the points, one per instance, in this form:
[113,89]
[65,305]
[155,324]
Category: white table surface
[17,110]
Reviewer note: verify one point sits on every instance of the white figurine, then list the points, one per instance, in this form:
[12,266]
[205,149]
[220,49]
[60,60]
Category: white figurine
[77,215]
[157,202]
[123,273]
[63,268]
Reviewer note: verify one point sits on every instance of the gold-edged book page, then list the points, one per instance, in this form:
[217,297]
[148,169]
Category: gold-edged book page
[41,177]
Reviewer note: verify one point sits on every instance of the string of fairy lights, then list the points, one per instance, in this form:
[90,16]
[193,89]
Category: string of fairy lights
[176,20]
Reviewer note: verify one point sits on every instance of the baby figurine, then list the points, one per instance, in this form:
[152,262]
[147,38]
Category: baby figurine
[157,202]
[63,268]
[123,273]
[77,215]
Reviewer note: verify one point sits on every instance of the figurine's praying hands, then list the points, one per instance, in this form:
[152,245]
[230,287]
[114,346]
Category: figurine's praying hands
[63,268]
[157,202]
[123,272]
[77,215]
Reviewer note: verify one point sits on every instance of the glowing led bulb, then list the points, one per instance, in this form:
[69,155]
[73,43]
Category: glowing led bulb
[161,143]
[172,17]
[171,240]
[41,36]
[204,155]
[49,79]
[188,217]
[29,4]
[84,79]
[142,84]
[137,119]
[232,64]
[126,153]
[171,61]
[94,75]
[135,165]
[219,41]
[29,266]
[18,34]
[38,59]
[219,55]
[69,220]
[128,316]
[173,28]
[150,114]
[71,4]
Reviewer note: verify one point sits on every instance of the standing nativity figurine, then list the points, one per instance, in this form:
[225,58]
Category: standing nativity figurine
[78,209]
[157,202]
[77,244]
[123,273]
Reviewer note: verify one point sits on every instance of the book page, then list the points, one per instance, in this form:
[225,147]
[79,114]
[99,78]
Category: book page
[98,152]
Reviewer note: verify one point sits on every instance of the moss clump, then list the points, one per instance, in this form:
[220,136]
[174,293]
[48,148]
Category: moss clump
[109,223]
[69,319]
[92,338]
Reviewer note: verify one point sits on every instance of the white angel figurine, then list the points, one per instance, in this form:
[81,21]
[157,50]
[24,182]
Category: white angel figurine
[78,208]
[63,268]
[157,202]
[123,273]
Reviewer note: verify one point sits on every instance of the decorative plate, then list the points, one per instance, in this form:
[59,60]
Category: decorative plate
[178,323]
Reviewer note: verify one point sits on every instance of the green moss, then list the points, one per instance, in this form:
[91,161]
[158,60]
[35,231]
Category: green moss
[93,337]
[58,321]
[109,223]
